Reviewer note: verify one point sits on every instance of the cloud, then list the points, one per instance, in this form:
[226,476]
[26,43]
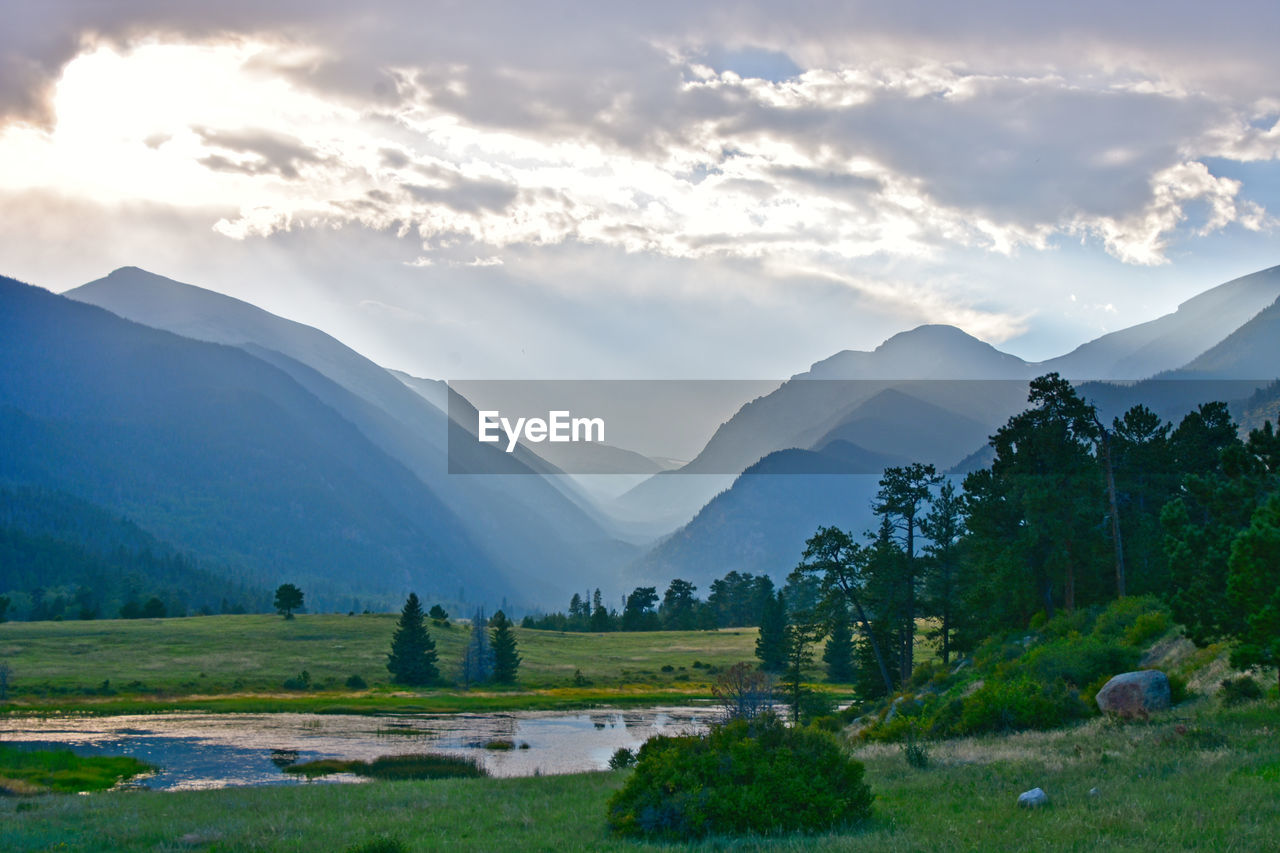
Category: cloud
[256,152]
[862,146]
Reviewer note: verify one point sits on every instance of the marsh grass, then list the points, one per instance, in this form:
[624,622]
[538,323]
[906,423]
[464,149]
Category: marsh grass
[1211,787]
[395,767]
[30,772]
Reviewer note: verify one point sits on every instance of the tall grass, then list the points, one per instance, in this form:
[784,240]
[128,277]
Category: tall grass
[26,772]
[399,767]
[243,663]
[1204,778]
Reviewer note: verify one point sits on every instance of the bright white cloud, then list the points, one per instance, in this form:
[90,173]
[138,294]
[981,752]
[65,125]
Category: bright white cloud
[851,145]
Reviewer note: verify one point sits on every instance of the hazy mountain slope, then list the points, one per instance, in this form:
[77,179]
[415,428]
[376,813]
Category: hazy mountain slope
[761,522]
[530,526]
[84,558]
[1250,352]
[217,452]
[933,360]
[907,427]
[1263,406]
[1146,349]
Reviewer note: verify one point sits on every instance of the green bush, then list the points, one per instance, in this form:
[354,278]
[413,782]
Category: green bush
[1001,706]
[355,682]
[622,758]
[381,844]
[1148,628]
[1237,691]
[1081,662]
[741,777]
[302,681]
[915,750]
[1123,614]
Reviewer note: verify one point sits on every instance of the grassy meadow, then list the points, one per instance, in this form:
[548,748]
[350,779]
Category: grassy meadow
[1197,778]
[241,663]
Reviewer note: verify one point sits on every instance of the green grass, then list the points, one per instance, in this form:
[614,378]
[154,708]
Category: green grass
[240,663]
[1201,778]
[29,772]
[421,766]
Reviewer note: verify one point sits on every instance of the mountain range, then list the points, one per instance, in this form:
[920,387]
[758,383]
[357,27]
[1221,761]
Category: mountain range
[934,394]
[270,451]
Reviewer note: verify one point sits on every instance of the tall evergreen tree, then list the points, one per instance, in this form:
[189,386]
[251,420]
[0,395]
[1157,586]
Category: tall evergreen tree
[413,653]
[477,658]
[844,567]
[943,526]
[288,599]
[904,494]
[771,645]
[1253,589]
[638,613]
[506,657]
[679,606]
[801,633]
[838,653]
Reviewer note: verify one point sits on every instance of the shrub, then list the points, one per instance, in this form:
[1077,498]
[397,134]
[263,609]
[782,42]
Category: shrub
[1082,662]
[355,682]
[381,844]
[915,750]
[1148,628]
[302,681]
[1000,706]
[622,759]
[827,723]
[1124,614]
[1237,691]
[741,777]
[1179,690]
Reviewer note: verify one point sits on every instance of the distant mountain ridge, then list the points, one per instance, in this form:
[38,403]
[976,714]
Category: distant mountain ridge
[934,394]
[1175,339]
[217,452]
[528,525]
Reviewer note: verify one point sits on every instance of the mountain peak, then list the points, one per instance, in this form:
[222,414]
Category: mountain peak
[931,351]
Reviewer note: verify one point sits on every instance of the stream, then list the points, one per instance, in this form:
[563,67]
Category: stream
[198,750]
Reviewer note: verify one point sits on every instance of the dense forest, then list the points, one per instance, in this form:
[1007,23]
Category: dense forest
[65,558]
[1071,514]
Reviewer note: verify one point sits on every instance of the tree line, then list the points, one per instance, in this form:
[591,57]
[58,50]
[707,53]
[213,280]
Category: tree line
[736,600]
[1070,513]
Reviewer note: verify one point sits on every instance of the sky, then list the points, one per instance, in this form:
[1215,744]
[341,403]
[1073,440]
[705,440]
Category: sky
[656,190]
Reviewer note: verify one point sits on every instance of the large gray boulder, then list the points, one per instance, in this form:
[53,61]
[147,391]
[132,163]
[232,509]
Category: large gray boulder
[1135,694]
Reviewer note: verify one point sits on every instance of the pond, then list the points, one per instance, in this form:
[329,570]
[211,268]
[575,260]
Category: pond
[194,750]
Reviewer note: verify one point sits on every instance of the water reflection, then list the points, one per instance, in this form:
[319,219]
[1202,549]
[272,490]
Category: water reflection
[219,750]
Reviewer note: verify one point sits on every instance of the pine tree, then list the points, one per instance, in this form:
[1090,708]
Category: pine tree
[477,659]
[771,645]
[506,657]
[838,654]
[413,653]
[288,599]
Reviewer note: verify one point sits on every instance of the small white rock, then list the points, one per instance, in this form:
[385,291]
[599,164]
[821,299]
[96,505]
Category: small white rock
[1034,797]
[1094,792]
